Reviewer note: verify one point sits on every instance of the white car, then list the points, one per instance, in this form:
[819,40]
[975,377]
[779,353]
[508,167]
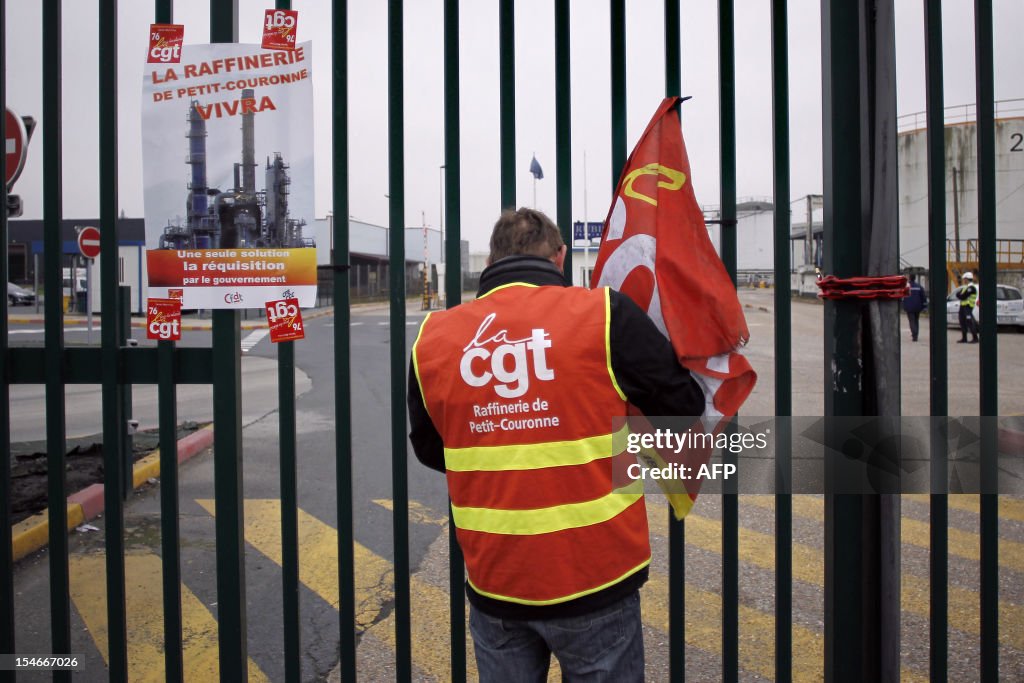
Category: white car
[1009,307]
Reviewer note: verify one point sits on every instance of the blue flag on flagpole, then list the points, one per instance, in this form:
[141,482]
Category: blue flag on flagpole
[535,169]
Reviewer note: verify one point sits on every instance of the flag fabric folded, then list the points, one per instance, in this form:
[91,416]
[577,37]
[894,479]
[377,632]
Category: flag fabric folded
[535,169]
[655,249]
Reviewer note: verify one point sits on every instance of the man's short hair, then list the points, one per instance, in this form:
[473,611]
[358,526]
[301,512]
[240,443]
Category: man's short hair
[526,232]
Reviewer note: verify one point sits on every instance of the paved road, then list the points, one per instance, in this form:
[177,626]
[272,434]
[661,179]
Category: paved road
[372,495]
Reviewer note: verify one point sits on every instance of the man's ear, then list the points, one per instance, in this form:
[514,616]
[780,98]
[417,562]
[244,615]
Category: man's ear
[559,258]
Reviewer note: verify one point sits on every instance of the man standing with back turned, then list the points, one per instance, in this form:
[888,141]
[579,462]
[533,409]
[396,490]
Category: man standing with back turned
[512,396]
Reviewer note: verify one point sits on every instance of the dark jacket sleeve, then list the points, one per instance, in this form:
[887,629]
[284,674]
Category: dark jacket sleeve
[426,441]
[645,365]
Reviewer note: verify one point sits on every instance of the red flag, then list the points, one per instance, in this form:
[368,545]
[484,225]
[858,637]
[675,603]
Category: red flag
[655,249]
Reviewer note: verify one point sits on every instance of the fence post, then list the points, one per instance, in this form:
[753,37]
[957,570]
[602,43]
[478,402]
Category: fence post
[227,446]
[844,578]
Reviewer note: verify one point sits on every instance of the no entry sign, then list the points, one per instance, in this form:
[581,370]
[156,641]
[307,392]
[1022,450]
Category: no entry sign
[15,145]
[89,241]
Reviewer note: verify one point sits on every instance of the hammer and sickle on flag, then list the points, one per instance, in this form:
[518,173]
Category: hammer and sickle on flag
[655,249]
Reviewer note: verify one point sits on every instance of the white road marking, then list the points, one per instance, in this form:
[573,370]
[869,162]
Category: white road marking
[253,338]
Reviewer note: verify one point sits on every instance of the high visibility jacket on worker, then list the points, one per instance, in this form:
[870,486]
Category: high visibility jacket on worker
[968,295]
[520,387]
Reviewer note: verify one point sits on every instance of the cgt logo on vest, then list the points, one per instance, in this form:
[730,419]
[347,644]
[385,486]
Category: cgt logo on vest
[500,351]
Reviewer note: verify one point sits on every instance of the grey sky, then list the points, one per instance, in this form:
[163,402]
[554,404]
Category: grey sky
[479,107]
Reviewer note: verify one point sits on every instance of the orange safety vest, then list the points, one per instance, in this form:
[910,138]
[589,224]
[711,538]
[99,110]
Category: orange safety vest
[520,387]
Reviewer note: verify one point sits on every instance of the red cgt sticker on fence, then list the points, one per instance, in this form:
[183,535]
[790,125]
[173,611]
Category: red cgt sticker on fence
[165,43]
[163,319]
[285,320]
[177,294]
[279,29]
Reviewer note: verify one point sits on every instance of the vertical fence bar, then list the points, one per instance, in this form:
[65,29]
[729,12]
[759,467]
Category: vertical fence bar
[452,297]
[842,367]
[618,69]
[289,499]
[938,558]
[170,534]
[289,511]
[170,530]
[7,633]
[730,501]
[989,349]
[114,413]
[56,447]
[783,347]
[227,447]
[399,450]
[507,100]
[342,342]
[676,528]
[563,130]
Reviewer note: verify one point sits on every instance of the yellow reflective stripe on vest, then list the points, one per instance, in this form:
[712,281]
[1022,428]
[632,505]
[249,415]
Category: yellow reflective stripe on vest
[549,519]
[564,598]
[608,342]
[533,456]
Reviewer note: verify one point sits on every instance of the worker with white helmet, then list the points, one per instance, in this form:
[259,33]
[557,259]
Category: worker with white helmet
[968,295]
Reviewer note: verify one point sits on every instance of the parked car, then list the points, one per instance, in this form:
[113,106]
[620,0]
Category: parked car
[19,295]
[1009,308]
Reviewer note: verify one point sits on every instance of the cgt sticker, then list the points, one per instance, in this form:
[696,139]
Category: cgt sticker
[165,43]
[285,320]
[279,29]
[163,319]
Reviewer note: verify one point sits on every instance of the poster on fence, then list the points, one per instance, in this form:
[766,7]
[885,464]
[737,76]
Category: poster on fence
[228,176]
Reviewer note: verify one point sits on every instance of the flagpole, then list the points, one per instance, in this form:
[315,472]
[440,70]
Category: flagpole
[585,280]
[534,191]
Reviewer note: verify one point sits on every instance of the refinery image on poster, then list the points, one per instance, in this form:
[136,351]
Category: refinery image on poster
[228,176]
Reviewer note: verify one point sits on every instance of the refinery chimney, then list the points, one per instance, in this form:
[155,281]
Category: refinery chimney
[197,160]
[248,146]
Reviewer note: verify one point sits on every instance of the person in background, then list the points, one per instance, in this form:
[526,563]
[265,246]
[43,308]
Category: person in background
[915,302]
[968,295]
[512,395]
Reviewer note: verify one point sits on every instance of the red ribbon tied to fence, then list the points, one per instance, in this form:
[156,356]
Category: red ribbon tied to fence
[875,287]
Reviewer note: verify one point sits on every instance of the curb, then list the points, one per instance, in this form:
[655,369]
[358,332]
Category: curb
[32,533]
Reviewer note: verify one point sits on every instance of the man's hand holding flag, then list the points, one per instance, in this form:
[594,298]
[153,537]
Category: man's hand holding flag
[655,249]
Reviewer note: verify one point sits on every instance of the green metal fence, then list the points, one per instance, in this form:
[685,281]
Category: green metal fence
[849,655]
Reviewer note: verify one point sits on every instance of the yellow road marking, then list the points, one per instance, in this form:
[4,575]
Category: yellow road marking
[145,612]
[418,512]
[758,549]
[318,557]
[915,532]
[318,570]
[757,632]
[32,533]
[1009,508]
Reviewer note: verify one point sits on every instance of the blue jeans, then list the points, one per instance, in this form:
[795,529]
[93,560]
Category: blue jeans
[606,645]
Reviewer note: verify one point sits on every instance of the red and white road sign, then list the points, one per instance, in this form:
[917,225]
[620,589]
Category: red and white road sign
[89,241]
[15,146]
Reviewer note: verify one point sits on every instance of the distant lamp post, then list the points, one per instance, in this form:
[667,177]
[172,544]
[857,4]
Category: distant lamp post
[330,230]
[441,178]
